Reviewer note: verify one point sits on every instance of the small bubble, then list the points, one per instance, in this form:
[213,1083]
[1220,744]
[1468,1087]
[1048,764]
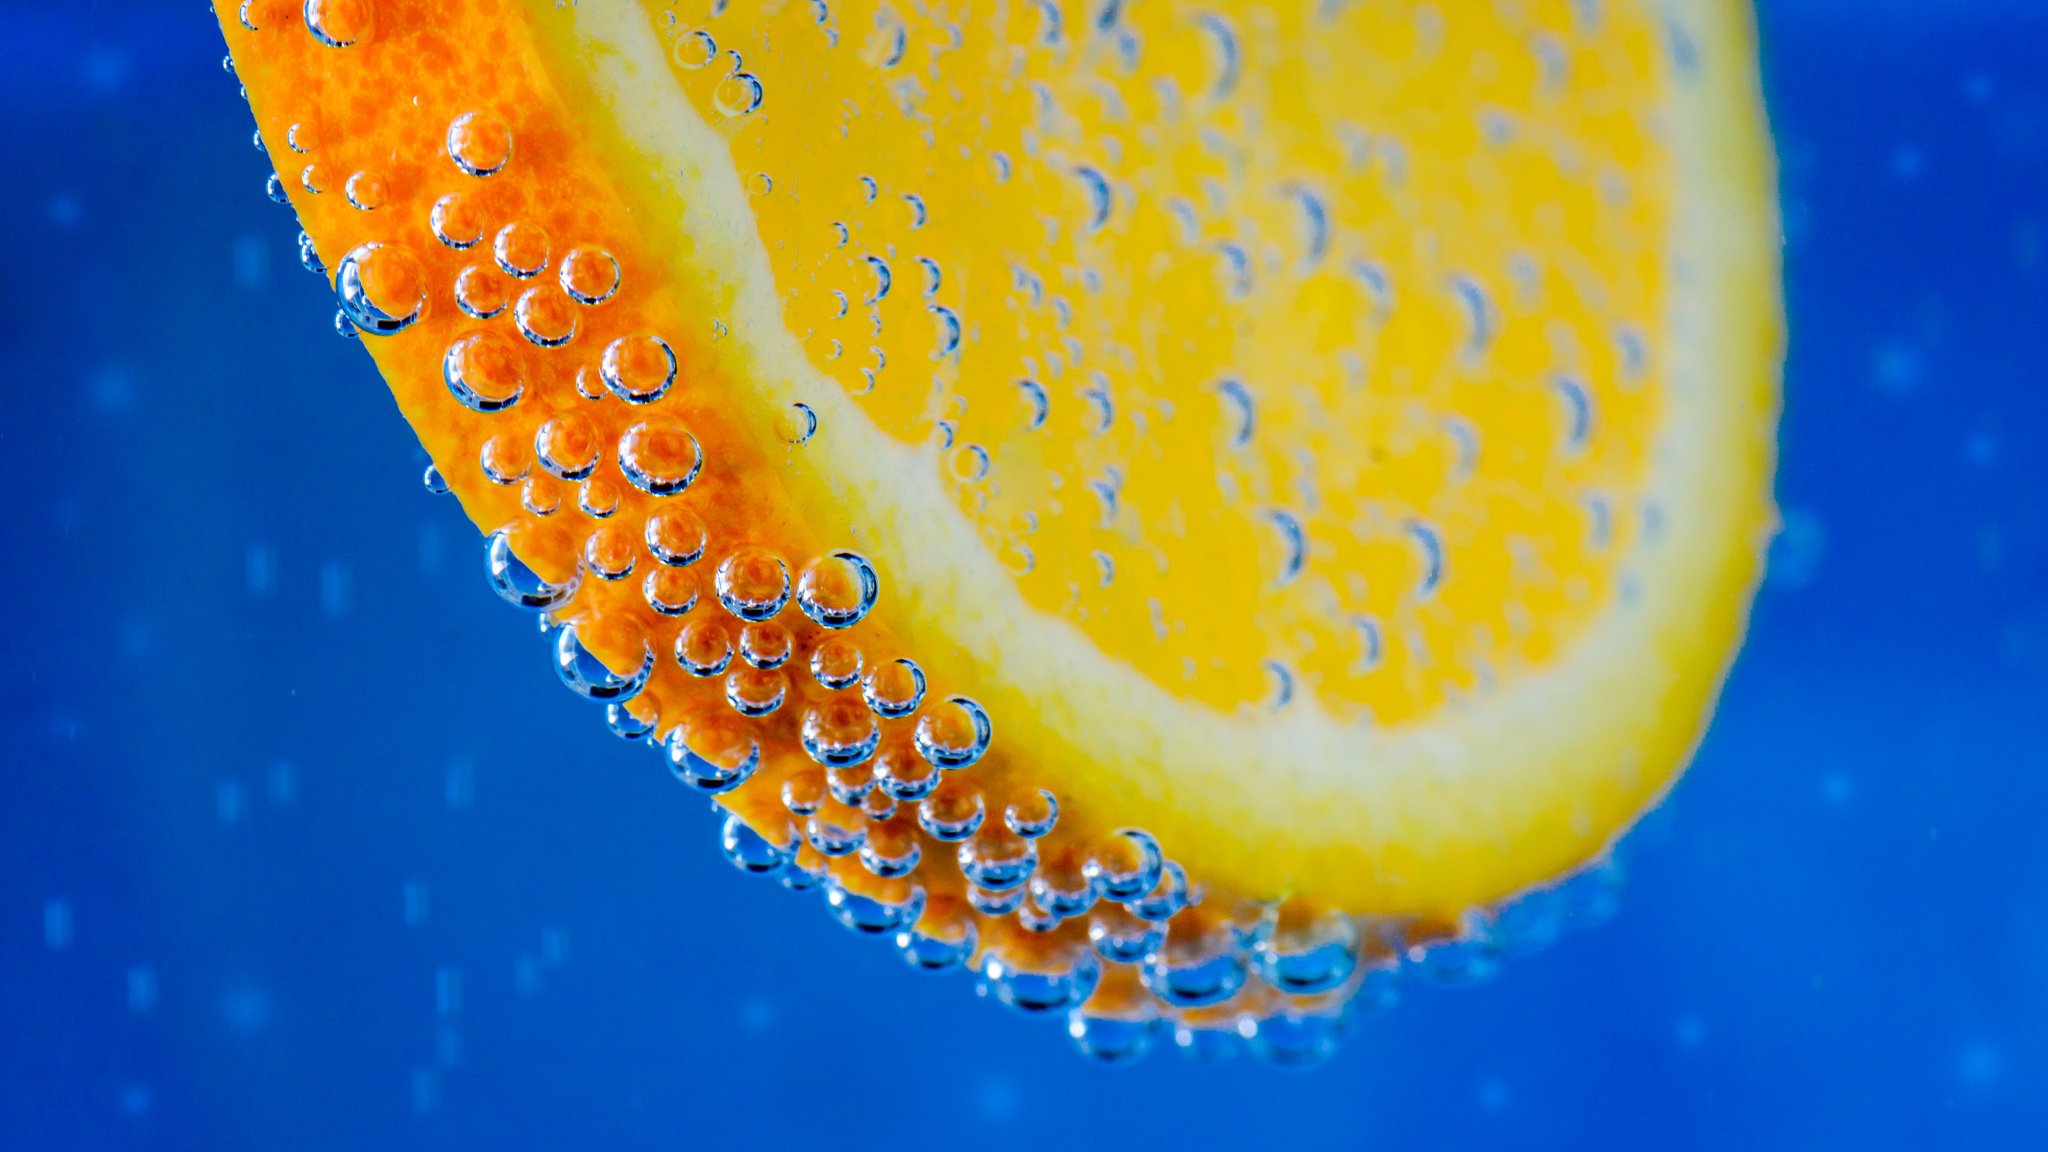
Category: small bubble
[480,143]
[675,536]
[274,188]
[797,424]
[365,191]
[1033,817]
[670,591]
[519,584]
[382,288]
[836,664]
[915,203]
[661,459]
[737,94]
[545,316]
[970,463]
[880,268]
[541,495]
[931,275]
[694,50]
[638,369]
[597,497]
[1096,187]
[886,42]
[895,689]
[340,23]
[503,459]
[947,323]
[753,692]
[954,734]
[703,647]
[302,137]
[1036,403]
[484,372]
[718,769]
[760,184]
[566,445]
[481,292]
[765,646]
[521,249]
[838,591]
[1293,544]
[610,553]
[753,584]
[840,734]
[456,222]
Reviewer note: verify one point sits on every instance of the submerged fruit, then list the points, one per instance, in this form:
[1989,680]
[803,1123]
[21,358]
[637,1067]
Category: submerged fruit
[1186,511]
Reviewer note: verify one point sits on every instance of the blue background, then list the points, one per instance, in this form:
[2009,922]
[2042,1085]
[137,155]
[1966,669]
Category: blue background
[301,846]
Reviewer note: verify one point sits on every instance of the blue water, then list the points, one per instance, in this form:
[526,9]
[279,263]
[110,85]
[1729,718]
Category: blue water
[302,847]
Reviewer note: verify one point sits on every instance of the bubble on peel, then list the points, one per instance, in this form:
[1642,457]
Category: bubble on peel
[676,537]
[624,724]
[954,735]
[1166,898]
[365,191]
[1123,938]
[302,137]
[836,836]
[836,663]
[597,497]
[309,256]
[480,292]
[996,904]
[1129,870]
[521,249]
[1033,816]
[670,591]
[932,276]
[890,852]
[545,317]
[953,811]
[541,495]
[456,222]
[753,584]
[996,860]
[1036,403]
[713,774]
[703,647]
[339,23]
[589,275]
[381,287]
[274,188]
[895,689]
[484,372]
[434,481]
[840,733]
[765,645]
[1227,61]
[480,143]
[610,554]
[886,41]
[872,916]
[1051,982]
[1112,1039]
[737,94]
[838,591]
[751,852]
[797,423]
[503,459]
[1206,969]
[694,50]
[567,447]
[755,692]
[638,369]
[1308,959]
[660,458]
[1239,410]
[1432,549]
[587,676]
[915,203]
[1293,545]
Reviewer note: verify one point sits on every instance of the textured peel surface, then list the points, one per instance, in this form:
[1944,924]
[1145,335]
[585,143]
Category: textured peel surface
[1333,439]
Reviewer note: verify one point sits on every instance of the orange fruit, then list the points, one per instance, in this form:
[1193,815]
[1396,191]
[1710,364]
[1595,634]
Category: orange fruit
[1183,510]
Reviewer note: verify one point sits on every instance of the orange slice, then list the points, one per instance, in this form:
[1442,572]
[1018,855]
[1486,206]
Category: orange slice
[1185,509]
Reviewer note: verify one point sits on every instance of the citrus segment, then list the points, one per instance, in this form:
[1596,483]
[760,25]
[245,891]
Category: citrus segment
[1175,507]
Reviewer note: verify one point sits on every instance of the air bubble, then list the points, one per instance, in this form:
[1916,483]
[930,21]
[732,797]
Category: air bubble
[751,852]
[273,187]
[764,645]
[434,481]
[839,590]
[871,916]
[753,584]
[339,23]
[955,734]
[880,268]
[997,861]
[836,663]
[661,459]
[1036,403]
[703,648]
[567,447]
[1308,958]
[480,143]
[738,94]
[541,495]
[947,339]
[894,690]
[456,222]
[1293,545]
[938,944]
[365,191]
[1095,186]
[755,692]
[797,424]
[1123,938]
[1130,869]
[638,369]
[1224,40]
[484,372]
[953,811]
[694,50]
[970,463]
[839,834]
[932,276]
[916,205]
[1238,399]
[610,553]
[624,724]
[589,677]
[670,591]
[1198,972]
[589,275]
[381,287]
[1111,1039]
[890,851]
[1033,817]
[309,256]
[1432,549]
[480,292]
[545,317]
[676,537]
[597,497]
[840,734]
[713,774]
[885,44]
[503,459]
[521,249]
[1050,983]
